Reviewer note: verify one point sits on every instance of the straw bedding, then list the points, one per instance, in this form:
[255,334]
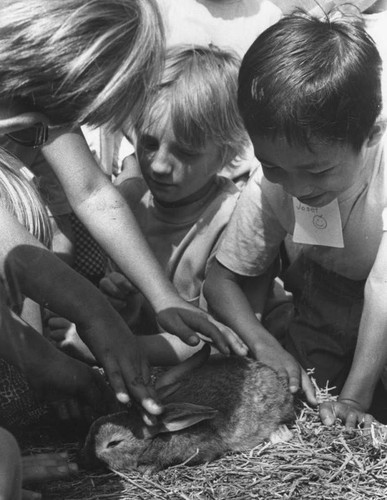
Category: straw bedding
[318,463]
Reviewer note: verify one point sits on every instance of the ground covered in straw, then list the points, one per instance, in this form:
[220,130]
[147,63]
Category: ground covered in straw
[319,463]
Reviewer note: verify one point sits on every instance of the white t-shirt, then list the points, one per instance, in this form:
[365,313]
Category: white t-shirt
[228,25]
[185,240]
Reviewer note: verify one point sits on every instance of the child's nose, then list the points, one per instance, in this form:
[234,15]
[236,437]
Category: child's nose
[161,163]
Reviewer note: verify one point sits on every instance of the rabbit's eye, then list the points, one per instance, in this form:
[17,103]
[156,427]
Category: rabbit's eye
[114,443]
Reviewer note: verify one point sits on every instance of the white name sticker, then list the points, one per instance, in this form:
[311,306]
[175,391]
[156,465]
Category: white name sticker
[318,225]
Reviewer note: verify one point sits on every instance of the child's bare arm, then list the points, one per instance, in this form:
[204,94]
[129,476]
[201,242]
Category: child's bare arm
[106,214]
[371,349]
[50,373]
[223,290]
[49,281]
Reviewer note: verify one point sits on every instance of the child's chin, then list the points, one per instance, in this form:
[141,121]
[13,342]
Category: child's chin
[319,201]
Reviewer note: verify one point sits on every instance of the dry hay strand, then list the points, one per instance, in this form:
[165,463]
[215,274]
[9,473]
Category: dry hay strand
[327,463]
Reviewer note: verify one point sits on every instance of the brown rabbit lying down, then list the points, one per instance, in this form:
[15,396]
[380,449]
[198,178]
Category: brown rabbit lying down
[226,404]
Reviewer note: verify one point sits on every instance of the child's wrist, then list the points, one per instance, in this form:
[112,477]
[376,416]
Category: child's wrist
[168,299]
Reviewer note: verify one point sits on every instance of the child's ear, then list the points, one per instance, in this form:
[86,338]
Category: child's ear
[376,133]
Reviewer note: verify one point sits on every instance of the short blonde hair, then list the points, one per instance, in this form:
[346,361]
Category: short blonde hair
[199,89]
[80,61]
[20,197]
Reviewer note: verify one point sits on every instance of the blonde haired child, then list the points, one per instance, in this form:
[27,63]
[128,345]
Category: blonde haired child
[20,197]
[183,139]
[64,63]
[185,136]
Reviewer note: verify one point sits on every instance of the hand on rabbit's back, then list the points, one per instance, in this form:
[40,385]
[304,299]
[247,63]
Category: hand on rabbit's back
[227,404]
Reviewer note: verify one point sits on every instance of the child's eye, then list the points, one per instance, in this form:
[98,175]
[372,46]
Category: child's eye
[149,144]
[323,172]
[187,153]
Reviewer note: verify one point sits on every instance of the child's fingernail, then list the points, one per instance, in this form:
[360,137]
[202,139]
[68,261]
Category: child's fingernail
[193,340]
[149,420]
[152,406]
[122,397]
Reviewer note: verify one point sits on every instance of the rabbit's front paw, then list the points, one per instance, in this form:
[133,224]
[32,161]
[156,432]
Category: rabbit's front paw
[281,435]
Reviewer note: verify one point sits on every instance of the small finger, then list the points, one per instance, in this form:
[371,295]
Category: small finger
[145,396]
[367,421]
[30,495]
[153,403]
[57,335]
[235,342]
[114,375]
[209,329]
[327,414]
[123,284]
[187,335]
[148,419]
[351,420]
[44,459]
[40,472]
[308,388]
[108,287]
[294,380]
[151,406]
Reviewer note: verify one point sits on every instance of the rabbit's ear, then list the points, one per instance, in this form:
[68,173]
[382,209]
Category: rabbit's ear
[174,374]
[178,416]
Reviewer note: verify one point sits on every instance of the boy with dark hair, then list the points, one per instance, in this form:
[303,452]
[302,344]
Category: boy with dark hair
[310,97]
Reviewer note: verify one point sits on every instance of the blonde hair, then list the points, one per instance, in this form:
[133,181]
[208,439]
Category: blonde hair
[80,61]
[20,197]
[198,89]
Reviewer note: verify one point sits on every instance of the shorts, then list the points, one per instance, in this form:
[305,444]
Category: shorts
[323,332]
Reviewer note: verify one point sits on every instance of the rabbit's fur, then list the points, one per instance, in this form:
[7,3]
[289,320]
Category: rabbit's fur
[228,404]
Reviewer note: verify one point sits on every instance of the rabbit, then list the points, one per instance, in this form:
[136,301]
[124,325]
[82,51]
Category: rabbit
[227,404]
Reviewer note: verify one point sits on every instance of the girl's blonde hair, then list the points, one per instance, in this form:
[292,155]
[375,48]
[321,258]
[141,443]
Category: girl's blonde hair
[198,89]
[20,197]
[80,61]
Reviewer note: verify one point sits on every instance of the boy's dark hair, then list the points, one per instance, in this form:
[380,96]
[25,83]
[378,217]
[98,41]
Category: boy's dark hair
[307,79]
